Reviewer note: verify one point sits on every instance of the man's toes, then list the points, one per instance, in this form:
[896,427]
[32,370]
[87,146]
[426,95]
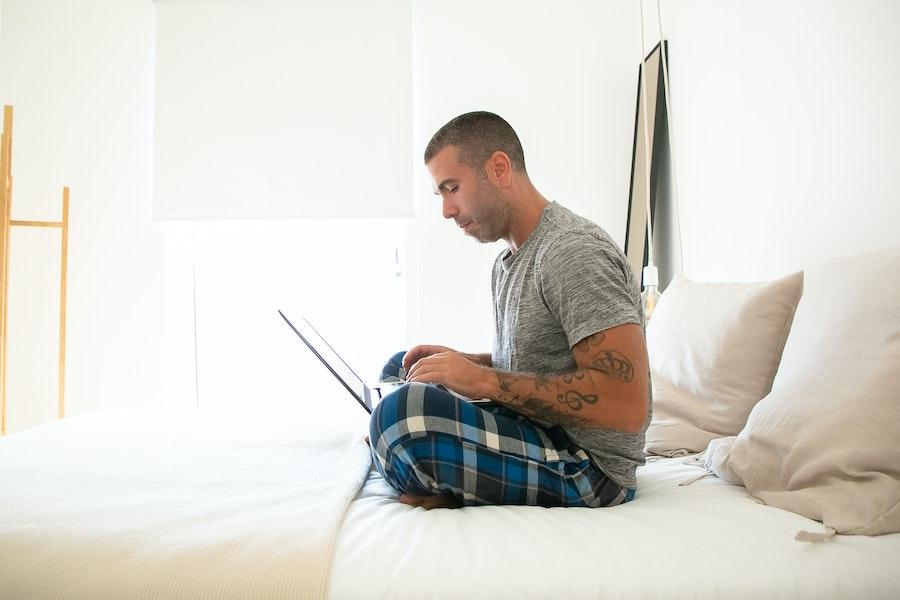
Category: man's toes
[444,501]
[411,500]
[429,502]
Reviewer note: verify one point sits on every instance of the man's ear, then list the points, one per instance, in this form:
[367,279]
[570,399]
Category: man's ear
[499,169]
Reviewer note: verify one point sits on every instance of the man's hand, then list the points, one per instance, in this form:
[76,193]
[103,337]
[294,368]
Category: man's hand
[453,370]
[418,352]
[421,351]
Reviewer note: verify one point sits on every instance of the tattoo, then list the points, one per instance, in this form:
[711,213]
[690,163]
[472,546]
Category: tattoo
[505,381]
[589,342]
[615,365]
[535,407]
[570,377]
[541,383]
[545,408]
[575,400]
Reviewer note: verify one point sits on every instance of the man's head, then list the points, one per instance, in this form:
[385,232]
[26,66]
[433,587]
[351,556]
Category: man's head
[474,161]
[477,135]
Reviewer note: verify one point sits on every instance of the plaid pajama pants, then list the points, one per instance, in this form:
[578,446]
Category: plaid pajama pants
[426,441]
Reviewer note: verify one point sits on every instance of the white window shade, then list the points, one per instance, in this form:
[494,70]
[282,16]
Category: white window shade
[283,109]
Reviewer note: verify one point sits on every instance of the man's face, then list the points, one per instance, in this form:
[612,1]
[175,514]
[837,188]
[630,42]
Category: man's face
[469,198]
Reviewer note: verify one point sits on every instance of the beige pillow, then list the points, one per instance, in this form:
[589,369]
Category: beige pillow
[714,350]
[826,442]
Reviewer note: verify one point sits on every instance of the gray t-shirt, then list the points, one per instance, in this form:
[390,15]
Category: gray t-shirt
[568,281]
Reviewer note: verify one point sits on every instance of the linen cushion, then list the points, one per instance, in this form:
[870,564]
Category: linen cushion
[714,349]
[825,443]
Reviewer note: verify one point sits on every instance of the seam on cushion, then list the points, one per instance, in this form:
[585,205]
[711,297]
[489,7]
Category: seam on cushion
[783,336]
[880,517]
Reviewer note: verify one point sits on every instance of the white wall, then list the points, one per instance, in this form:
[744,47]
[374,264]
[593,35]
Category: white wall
[564,76]
[274,109]
[80,76]
[786,131]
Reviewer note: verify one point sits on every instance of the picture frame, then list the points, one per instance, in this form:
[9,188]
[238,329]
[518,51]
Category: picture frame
[636,242]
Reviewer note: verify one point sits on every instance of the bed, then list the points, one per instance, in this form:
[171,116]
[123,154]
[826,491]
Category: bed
[148,504]
[145,503]
[703,540]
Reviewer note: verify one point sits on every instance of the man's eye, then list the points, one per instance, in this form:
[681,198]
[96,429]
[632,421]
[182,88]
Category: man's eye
[453,189]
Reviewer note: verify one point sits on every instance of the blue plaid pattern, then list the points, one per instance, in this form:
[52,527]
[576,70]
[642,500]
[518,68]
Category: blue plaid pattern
[426,441]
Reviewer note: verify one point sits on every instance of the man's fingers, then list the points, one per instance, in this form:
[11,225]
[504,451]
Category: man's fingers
[416,372]
[416,366]
[415,354]
[419,352]
[410,370]
[424,363]
[410,358]
[428,374]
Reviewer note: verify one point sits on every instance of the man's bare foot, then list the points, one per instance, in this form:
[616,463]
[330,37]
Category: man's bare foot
[432,501]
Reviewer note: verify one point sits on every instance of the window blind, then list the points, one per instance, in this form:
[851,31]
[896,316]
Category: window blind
[269,108]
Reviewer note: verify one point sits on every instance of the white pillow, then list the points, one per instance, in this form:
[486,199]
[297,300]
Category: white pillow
[714,349]
[826,442]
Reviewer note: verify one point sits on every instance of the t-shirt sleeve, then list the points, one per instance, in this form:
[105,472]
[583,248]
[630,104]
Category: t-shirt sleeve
[586,284]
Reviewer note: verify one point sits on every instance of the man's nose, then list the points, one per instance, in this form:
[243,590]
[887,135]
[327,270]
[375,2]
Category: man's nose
[449,209]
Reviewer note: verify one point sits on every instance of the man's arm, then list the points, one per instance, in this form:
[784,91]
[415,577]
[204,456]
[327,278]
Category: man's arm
[609,389]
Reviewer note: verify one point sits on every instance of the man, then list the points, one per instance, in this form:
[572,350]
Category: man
[568,375]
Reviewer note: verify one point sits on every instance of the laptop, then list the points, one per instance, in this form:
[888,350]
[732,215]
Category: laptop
[367,396]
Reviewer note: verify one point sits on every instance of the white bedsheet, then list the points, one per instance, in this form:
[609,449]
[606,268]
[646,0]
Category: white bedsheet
[149,505]
[704,540]
[140,505]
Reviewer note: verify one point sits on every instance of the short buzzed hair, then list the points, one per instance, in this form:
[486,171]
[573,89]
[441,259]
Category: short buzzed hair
[477,135]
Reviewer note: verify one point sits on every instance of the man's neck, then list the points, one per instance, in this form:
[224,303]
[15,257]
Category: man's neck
[526,218]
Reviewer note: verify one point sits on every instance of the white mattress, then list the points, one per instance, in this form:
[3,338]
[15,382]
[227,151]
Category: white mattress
[147,506]
[704,540]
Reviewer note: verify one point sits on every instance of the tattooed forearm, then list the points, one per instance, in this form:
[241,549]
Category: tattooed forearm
[548,398]
[604,391]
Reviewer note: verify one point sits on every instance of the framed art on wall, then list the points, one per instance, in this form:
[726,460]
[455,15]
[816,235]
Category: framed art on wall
[636,243]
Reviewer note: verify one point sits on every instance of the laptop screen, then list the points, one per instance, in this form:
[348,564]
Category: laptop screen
[332,361]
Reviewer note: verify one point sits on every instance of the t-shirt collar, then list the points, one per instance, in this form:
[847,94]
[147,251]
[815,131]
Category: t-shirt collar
[509,256]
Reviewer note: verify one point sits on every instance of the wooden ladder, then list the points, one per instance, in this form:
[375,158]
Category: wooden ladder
[6,223]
